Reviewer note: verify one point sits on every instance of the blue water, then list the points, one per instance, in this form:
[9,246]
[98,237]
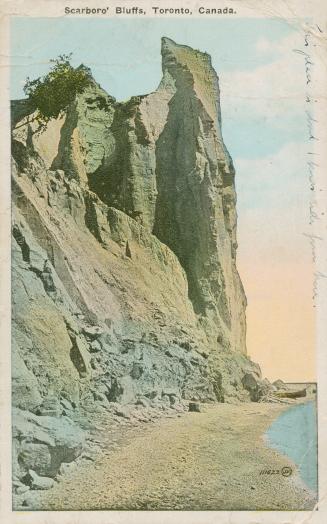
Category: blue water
[294,433]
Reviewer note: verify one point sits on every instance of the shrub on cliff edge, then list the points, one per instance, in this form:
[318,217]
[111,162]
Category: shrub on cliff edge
[52,93]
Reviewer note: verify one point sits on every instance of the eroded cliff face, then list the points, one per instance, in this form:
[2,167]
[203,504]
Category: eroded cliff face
[125,287]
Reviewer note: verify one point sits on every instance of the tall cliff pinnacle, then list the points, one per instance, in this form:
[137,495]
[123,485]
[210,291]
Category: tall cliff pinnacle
[181,62]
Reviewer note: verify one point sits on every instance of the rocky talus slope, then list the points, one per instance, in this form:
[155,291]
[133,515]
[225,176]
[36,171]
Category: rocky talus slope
[125,287]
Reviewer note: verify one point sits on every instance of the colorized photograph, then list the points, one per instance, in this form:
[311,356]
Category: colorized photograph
[163,323]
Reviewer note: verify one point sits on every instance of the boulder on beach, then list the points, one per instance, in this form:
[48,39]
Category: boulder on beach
[42,443]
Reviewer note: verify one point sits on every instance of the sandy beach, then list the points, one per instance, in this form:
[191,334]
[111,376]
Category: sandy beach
[214,460]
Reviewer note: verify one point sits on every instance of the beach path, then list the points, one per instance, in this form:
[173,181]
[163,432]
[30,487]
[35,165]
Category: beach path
[214,460]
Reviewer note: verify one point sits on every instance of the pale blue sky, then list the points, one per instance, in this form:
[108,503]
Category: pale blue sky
[124,55]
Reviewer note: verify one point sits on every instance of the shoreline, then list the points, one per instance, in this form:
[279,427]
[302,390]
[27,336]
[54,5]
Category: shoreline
[278,446]
[214,460]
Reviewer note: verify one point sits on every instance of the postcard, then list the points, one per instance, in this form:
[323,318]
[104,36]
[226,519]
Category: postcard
[163,267]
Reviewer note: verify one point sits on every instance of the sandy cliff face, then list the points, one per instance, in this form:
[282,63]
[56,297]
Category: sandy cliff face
[125,287]
[161,160]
